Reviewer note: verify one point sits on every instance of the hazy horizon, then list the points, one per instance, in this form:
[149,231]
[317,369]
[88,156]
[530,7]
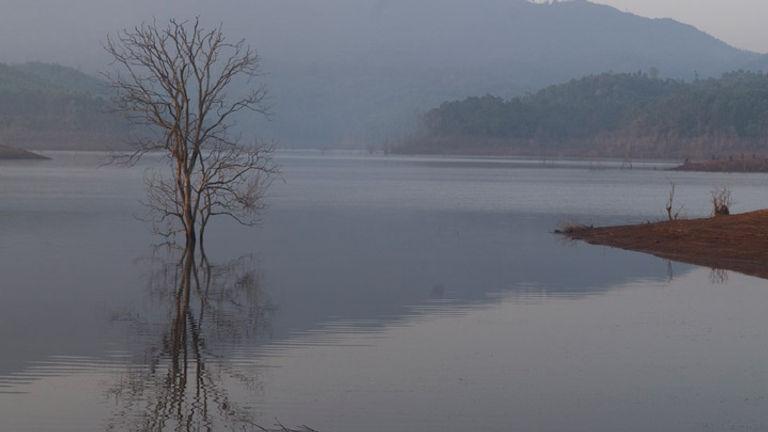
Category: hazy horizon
[352,73]
[377,215]
[744,27]
[60,34]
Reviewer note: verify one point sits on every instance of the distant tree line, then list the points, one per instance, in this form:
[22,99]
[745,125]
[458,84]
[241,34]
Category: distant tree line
[610,114]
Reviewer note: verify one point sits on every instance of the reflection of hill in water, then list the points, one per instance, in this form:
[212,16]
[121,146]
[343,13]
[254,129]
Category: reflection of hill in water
[200,339]
[363,267]
[363,242]
[376,266]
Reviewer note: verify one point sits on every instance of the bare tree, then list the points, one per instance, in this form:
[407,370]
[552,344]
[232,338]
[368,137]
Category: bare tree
[672,214]
[173,80]
[232,183]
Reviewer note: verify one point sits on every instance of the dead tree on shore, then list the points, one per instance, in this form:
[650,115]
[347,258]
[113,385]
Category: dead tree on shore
[173,80]
[672,213]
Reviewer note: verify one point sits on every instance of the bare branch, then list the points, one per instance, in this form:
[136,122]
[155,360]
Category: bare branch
[173,79]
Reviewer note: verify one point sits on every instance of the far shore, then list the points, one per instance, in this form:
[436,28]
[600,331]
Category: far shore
[12,153]
[736,242]
[741,163]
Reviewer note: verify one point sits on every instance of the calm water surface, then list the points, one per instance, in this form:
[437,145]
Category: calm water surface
[379,294]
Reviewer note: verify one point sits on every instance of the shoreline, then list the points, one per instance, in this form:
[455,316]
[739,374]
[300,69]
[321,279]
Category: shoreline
[737,242]
[12,153]
[741,164]
[737,163]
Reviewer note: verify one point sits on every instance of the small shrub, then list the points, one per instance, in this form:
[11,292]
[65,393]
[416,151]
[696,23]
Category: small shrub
[721,202]
[571,228]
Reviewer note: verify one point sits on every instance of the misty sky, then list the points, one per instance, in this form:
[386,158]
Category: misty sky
[70,32]
[741,23]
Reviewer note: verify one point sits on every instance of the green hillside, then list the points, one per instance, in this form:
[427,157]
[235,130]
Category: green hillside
[44,106]
[620,115]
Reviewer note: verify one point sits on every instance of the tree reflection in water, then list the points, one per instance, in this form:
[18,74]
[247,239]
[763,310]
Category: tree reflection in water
[184,381]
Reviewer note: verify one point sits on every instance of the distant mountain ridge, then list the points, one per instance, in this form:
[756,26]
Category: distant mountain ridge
[49,107]
[35,76]
[355,73]
[412,55]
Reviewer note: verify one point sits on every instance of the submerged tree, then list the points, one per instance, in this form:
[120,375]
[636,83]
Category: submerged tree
[175,80]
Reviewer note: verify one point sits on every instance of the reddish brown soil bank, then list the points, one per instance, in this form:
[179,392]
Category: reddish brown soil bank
[738,242]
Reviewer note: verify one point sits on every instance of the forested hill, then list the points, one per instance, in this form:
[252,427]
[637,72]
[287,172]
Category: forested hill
[354,72]
[610,115]
[373,67]
[44,106]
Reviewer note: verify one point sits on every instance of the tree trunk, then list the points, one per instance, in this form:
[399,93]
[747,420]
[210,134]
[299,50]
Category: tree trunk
[184,183]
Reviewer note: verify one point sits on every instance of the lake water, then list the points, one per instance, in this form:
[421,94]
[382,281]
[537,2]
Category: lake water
[378,294]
